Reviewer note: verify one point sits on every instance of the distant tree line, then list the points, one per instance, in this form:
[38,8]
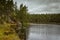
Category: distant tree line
[45,18]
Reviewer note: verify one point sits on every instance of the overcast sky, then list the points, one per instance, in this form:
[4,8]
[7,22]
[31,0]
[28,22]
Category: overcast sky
[41,6]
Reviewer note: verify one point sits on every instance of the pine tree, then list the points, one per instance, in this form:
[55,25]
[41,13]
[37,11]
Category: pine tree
[22,16]
[9,6]
[2,6]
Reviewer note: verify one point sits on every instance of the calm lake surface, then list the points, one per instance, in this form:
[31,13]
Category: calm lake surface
[44,32]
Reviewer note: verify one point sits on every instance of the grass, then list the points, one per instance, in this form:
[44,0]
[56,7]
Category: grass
[11,34]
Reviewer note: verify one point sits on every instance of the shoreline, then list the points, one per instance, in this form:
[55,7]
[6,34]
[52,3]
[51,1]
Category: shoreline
[44,23]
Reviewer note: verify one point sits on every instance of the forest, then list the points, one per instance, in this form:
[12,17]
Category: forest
[45,18]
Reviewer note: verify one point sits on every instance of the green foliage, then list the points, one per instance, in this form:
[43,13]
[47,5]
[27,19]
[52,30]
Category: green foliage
[45,18]
[22,14]
[11,15]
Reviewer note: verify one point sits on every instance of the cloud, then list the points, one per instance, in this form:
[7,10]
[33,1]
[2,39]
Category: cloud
[52,7]
[41,6]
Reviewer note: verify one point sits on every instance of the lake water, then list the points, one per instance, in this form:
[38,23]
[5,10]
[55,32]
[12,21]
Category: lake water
[44,32]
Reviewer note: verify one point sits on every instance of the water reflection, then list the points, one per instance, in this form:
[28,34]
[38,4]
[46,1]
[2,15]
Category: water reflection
[44,32]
